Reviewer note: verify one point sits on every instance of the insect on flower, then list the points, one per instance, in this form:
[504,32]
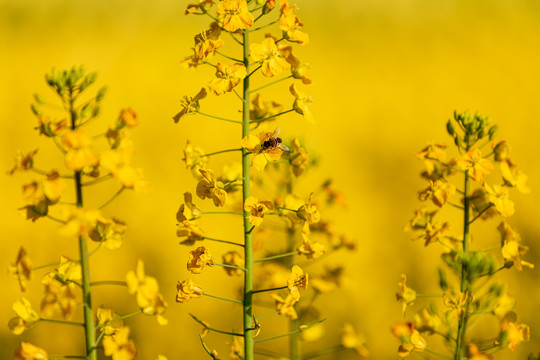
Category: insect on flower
[274,142]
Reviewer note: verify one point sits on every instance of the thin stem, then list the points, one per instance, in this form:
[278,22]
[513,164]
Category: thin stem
[221,213]
[59,146]
[56,219]
[221,152]
[264,26]
[45,173]
[213,329]
[121,317]
[227,56]
[238,95]
[272,116]
[230,266]
[66,357]
[437,353]
[96,248]
[481,213]
[254,71]
[235,39]
[278,256]
[266,316]
[108,282]
[269,289]
[258,17]
[246,193]
[268,353]
[45,266]
[98,180]
[270,84]
[223,241]
[284,208]
[219,118]
[455,205]
[223,298]
[112,198]
[299,330]
[62,322]
[318,353]
[209,63]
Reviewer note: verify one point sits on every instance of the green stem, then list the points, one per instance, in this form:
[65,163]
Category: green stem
[278,256]
[89,327]
[266,315]
[221,152]
[219,118]
[66,357]
[246,193]
[272,116]
[112,198]
[284,208]
[254,71]
[272,83]
[230,266]
[299,330]
[262,27]
[45,266]
[227,56]
[294,339]
[481,213]
[223,298]
[108,282]
[122,317]
[318,353]
[56,219]
[222,241]
[61,322]
[437,353]
[212,329]
[221,213]
[269,289]
[98,180]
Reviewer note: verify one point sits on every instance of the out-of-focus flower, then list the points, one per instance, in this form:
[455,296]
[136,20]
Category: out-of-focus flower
[109,231]
[203,5]
[117,161]
[266,146]
[189,232]
[514,333]
[351,340]
[511,247]
[237,348]
[310,249]
[432,152]
[297,280]
[22,268]
[267,54]
[498,196]
[188,210]
[128,118]
[190,105]
[209,187]
[23,161]
[198,259]
[514,177]
[328,281]
[410,338]
[61,289]
[479,200]
[146,289]
[108,321]
[473,162]
[285,306]
[233,258]
[51,128]
[27,351]
[309,211]
[406,295]
[119,346]
[298,158]
[475,353]
[257,209]
[195,159]
[501,150]
[438,191]
[79,153]
[426,320]
[503,305]
[186,290]
[456,303]
[26,317]
[40,195]
[227,77]
[234,15]
[301,103]
[261,109]
[82,222]
[290,24]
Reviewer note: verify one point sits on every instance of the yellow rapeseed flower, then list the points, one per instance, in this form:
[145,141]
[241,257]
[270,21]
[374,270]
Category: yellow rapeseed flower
[128,118]
[190,105]
[119,346]
[351,340]
[110,232]
[209,187]
[27,351]
[82,222]
[438,191]
[432,152]
[266,146]
[26,317]
[498,197]
[107,320]
[310,249]
[514,177]
[285,306]
[267,54]
[203,5]
[234,15]
[261,109]
[511,248]
[309,211]
[297,280]
[50,127]
[301,103]
[233,258]
[290,24]
[473,162]
[198,259]
[186,290]
[22,268]
[188,210]
[257,209]
[23,161]
[406,295]
[227,77]
[79,153]
[298,158]
[515,333]
[195,159]
[189,232]
[206,43]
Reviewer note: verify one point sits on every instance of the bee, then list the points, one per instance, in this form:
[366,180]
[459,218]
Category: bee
[274,142]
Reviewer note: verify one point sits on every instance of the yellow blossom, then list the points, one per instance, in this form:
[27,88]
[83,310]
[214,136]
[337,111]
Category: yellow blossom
[195,159]
[476,354]
[309,211]
[105,318]
[266,146]
[410,337]
[297,280]
[456,303]
[476,166]
[421,219]
[406,295]
[267,54]
[432,152]
[186,290]
[53,187]
[117,161]
[51,128]
[40,195]
[511,247]
[329,281]
[298,158]
[128,118]
[257,209]
[27,351]
[188,210]
[82,222]
[479,201]
[227,77]
[59,296]
[515,333]
[233,258]
[514,177]
[309,249]
[434,232]
[438,191]
[285,306]
[79,153]
[498,197]
[190,105]
[237,348]
[234,15]
[503,305]
[22,268]
[351,340]
[209,187]
[261,109]
[189,232]
[203,5]
[146,289]
[301,103]
[206,43]
[298,69]
[290,24]
[119,346]
[110,232]
[23,161]
[26,317]
[501,149]
[198,259]
[426,320]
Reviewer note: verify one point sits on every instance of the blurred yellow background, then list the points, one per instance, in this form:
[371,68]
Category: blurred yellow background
[387,75]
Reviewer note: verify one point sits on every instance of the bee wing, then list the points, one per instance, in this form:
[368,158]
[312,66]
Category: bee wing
[276,132]
[284,148]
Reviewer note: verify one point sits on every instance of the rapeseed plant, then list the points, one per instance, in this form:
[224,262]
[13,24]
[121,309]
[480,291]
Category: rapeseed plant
[68,286]
[471,294]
